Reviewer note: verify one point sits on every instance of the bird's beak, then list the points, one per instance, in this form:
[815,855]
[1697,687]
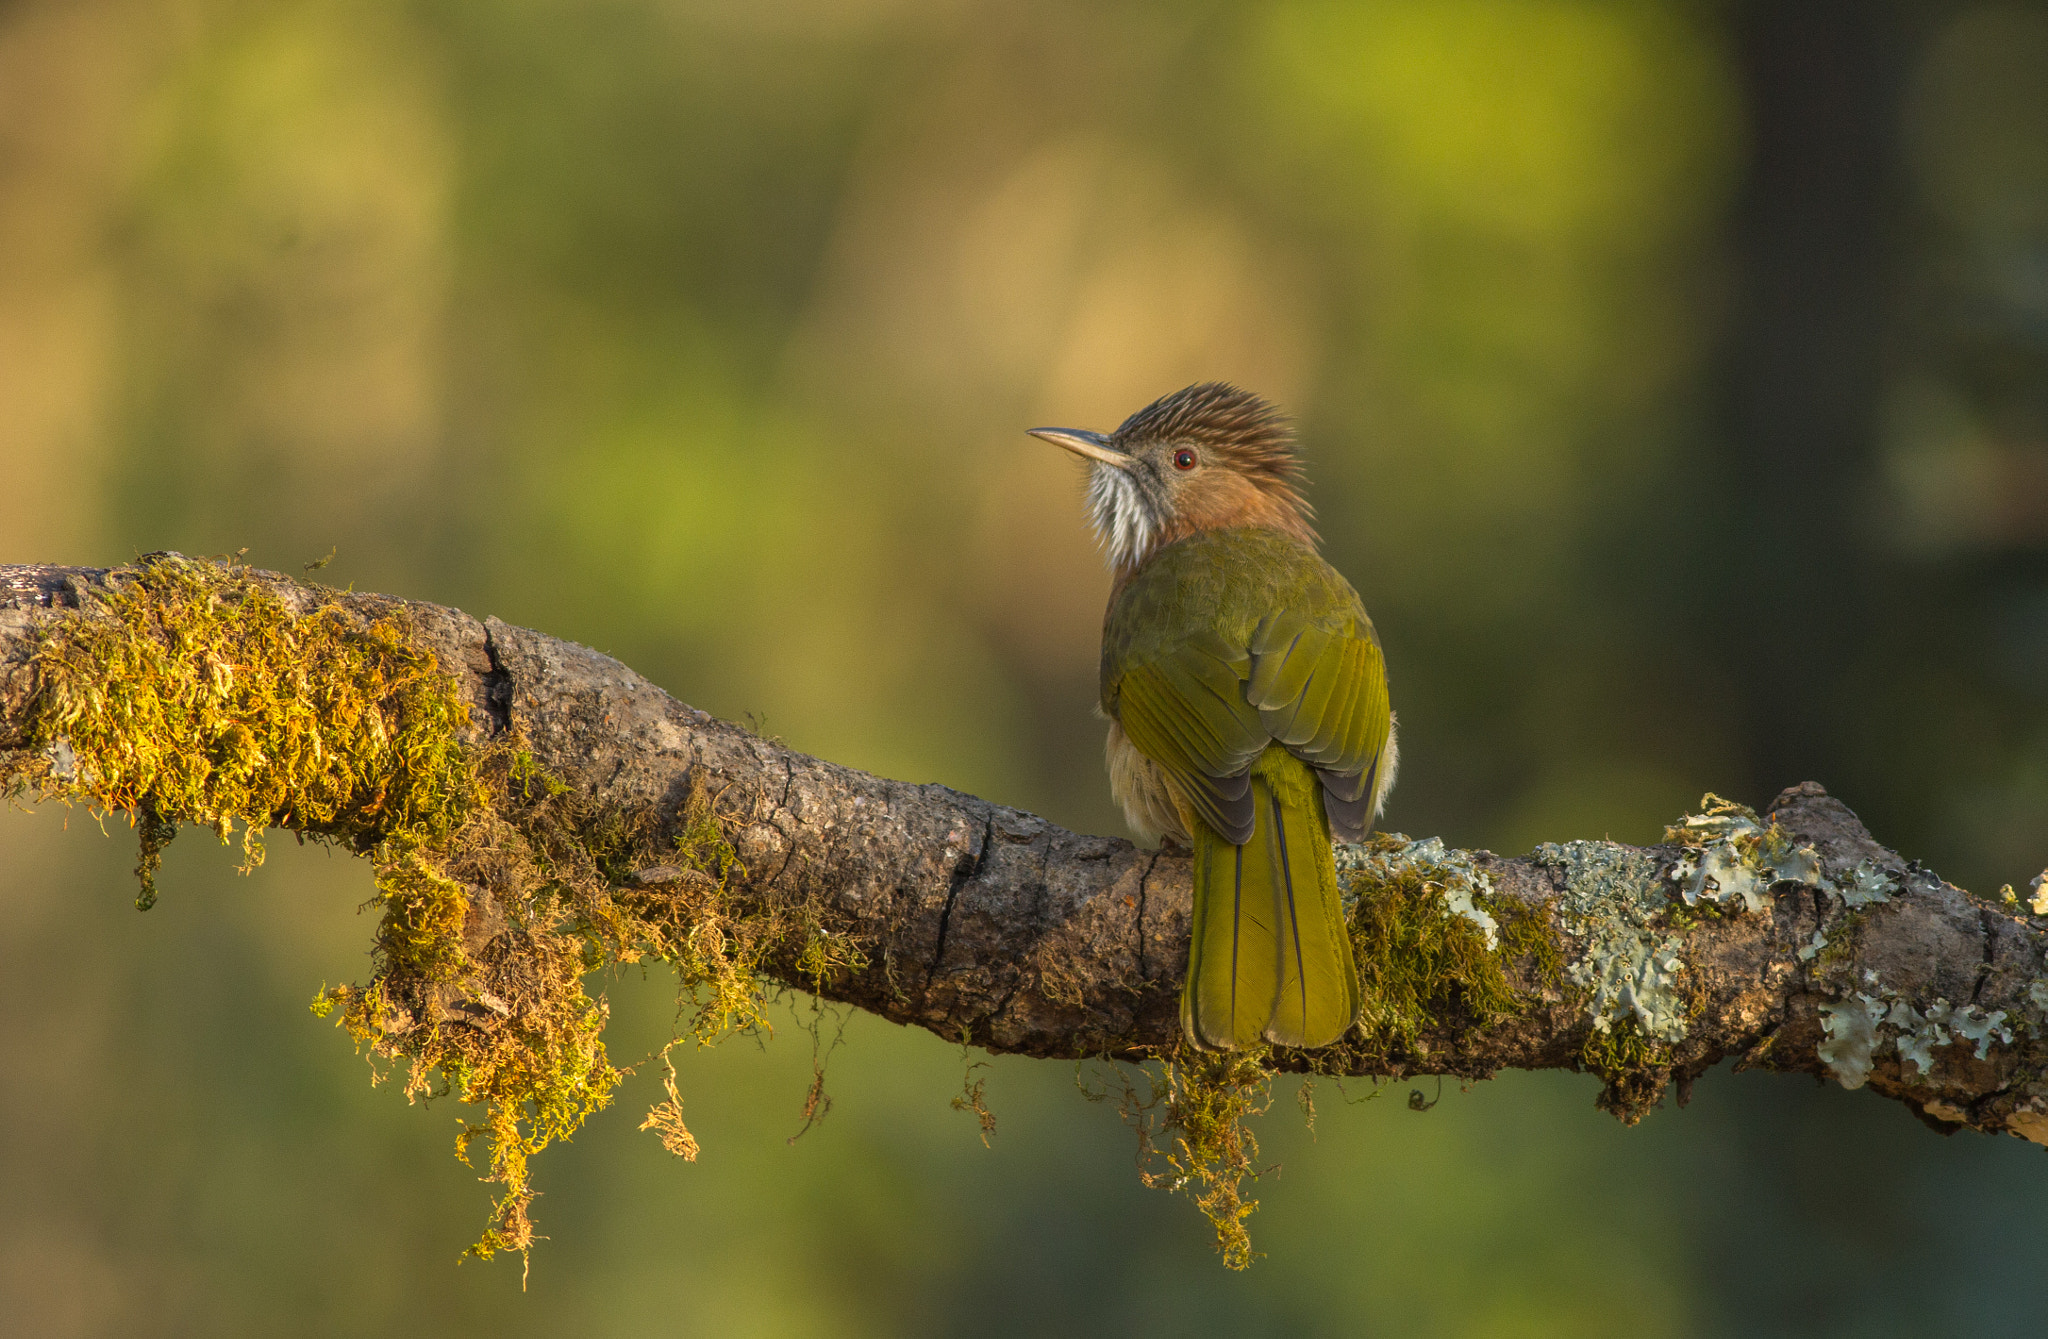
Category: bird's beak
[1093,445]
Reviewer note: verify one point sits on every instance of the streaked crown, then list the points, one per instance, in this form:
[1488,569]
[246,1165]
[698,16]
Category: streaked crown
[1241,431]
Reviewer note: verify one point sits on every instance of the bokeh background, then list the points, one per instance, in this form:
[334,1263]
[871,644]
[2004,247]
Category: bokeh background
[1674,385]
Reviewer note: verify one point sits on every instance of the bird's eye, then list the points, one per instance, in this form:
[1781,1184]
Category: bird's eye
[1183,459]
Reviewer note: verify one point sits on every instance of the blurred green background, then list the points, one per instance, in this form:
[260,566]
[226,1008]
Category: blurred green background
[1673,379]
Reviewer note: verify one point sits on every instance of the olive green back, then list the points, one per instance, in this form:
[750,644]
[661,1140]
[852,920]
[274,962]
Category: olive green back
[1245,667]
[1233,639]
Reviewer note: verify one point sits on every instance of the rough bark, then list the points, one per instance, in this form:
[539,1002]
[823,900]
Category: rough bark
[989,924]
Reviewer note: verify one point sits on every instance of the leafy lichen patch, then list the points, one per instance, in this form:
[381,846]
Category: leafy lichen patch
[1861,1025]
[1970,1023]
[1612,898]
[1851,1028]
[1862,886]
[1731,855]
[1918,1035]
[1618,902]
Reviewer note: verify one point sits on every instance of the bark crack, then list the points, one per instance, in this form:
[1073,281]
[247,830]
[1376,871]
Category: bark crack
[1144,972]
[497,685]
[1989,929]
[966,870]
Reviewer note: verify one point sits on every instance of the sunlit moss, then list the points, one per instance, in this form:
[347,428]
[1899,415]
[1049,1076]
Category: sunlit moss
[190,693]
[199,692]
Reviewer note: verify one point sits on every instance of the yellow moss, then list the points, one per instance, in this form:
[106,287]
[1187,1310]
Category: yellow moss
[195,692]
[973,1098]
[1422,968]
[666,1118]
[190,693]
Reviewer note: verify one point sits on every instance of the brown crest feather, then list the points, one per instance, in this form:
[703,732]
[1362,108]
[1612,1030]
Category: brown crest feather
[1234,428]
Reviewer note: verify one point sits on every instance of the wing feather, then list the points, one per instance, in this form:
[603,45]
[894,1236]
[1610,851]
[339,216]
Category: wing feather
[1204,711]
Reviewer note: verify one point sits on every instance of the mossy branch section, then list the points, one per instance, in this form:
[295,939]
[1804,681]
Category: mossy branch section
[535,813]
[199,693]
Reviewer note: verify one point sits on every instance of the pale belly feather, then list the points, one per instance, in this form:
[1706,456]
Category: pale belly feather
[1140,787]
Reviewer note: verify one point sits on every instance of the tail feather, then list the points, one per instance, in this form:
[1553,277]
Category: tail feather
[1232,962]
[1271,958]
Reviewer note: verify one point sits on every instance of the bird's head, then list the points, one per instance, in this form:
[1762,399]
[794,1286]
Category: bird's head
[1202,458]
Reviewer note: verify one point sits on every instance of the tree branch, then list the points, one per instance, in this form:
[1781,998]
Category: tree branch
[1795,942]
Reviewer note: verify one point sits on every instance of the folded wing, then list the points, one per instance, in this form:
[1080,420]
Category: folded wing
[1322,693]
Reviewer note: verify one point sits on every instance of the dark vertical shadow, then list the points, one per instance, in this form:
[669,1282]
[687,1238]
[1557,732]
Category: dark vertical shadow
[1801,367]
[1817,245]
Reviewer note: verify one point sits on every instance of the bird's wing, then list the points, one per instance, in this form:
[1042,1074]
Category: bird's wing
[1321,691]
[1186,710]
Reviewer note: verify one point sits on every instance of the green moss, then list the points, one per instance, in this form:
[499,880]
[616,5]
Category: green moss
[197,692]
[1417,965]
[1421,965]
[1192,1132]
[1843,937]
[1633,1069]
[1434,947]
[1423,969]
[1529,934]
[1682,918]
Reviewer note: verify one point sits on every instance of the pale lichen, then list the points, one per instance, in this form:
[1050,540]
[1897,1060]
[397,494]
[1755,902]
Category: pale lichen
[1862,1024]
[1971,1023]
[1732,855]
[1851,1026]
[1611,899]
[1863,885]
[1619,902]
[1917,1036]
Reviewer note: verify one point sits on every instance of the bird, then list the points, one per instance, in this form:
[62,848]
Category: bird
[1246,695]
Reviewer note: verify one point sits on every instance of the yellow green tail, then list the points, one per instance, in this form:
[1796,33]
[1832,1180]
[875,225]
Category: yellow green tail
[1271,957]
